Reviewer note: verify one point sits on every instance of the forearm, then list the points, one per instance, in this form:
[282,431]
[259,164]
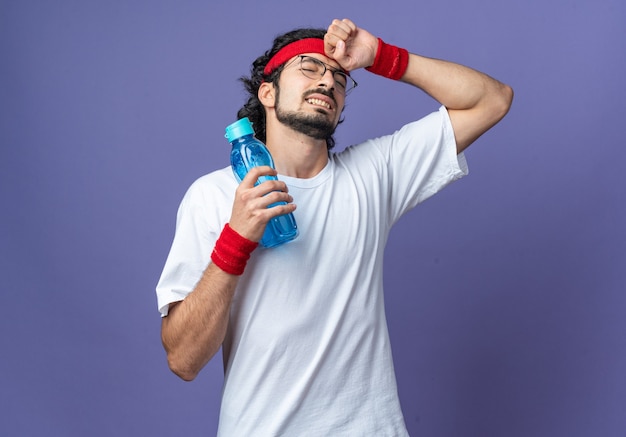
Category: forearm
[195,328]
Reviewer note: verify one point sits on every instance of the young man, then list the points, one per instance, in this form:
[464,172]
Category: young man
[302,325]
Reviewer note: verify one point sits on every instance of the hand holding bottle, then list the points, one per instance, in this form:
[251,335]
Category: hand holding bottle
[251,207]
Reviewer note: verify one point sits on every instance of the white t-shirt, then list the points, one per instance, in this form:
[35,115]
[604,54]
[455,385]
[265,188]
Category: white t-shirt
[307,349]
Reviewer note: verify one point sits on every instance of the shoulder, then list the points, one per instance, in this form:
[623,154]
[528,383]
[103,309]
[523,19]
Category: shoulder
[210,190]
[217,178]
[221,180]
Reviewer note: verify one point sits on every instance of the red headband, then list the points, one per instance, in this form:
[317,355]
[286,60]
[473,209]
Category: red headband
[306,45]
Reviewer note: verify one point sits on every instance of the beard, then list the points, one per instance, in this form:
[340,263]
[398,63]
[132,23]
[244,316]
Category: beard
[317,126]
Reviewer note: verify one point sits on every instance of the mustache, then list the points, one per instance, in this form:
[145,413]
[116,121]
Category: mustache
[323,91]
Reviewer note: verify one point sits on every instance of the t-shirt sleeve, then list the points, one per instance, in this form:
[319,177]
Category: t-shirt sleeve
[421,159]
[190,251]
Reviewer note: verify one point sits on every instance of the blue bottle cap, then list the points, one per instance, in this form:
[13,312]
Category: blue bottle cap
[239,129]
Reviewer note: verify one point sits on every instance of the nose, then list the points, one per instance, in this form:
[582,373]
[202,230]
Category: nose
[328,79]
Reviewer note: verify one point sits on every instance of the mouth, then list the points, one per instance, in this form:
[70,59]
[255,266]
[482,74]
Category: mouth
[321,99]
[319,102]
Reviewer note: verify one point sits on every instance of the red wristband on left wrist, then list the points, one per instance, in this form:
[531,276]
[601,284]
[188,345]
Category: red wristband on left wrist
[390,61]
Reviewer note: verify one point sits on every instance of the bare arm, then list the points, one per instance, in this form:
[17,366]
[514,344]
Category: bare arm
[194,329]
[474,100]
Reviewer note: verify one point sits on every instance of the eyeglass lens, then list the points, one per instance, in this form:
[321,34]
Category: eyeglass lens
[314,68]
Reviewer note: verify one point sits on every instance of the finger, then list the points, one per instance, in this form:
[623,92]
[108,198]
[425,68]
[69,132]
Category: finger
[335,48]
[340,55]
[330,44]
[350,24]
[282,209]
[255,173]
[267,187]
[336,32]
[345,26]
[273,199]
[339,29]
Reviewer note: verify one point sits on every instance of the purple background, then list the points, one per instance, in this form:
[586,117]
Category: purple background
[505,293]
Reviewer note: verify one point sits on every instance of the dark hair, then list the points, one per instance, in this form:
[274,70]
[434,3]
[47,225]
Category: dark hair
[253,108]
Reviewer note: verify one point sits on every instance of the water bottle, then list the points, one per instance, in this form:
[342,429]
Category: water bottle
[248,152]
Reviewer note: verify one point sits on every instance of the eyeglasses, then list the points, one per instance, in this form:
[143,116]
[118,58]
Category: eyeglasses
[313,68]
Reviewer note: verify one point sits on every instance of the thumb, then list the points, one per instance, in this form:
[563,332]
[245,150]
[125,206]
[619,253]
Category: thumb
[340,54]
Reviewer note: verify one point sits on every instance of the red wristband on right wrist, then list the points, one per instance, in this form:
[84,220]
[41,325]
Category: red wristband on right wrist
[232,251]
[390,61]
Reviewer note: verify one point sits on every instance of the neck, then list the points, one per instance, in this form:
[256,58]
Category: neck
[295,154]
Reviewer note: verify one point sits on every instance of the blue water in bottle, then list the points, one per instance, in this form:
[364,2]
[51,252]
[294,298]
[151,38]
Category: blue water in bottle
[248,152]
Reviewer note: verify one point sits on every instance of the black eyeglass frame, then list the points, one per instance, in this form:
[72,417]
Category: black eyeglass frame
[350,82]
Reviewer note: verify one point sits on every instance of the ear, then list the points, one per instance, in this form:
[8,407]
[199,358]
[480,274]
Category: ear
[267,94]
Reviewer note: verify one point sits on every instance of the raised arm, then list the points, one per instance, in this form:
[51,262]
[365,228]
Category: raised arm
[194,329]
[475,101]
